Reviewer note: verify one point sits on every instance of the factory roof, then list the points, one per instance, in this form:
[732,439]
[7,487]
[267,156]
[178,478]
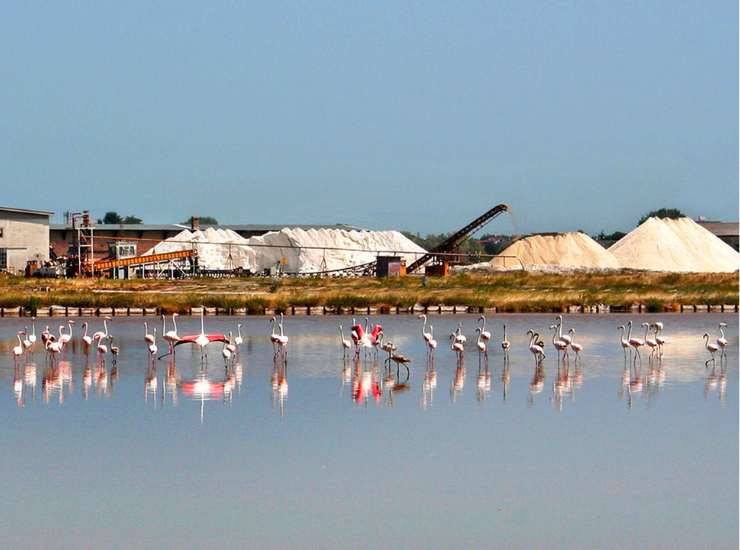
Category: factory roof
[25,211]
[721,229]
[179,227]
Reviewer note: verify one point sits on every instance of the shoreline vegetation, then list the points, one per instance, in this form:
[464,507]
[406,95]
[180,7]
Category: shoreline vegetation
[511,292]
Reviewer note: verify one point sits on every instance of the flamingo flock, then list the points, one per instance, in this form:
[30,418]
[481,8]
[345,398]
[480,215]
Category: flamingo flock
[367,340]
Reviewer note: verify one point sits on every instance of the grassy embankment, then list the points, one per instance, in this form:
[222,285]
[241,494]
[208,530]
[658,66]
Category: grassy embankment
[514,292]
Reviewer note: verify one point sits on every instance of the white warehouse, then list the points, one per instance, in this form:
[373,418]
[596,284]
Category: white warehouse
[24,236]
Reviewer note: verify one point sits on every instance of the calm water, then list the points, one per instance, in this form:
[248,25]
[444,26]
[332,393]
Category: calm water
[127,455]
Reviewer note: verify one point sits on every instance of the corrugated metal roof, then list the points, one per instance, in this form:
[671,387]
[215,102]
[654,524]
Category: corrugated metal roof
[180,227]
[25,211]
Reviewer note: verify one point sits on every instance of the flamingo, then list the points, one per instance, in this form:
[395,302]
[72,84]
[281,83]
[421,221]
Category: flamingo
[505,345]
[459,336]
[577,348]
[273,335]
[26,341]
[18,350]
[536,348]
[170,336]
[148,337]
[635,343]
[282,338]
[201,340]
[67,336]
[484,334]
[658,338]
[650,342]
[86,339]
[238,340]
[722,341]
[559,343]
[229,345]
[46,335]
[426,335]
[152,346]
[114,350]
[458,347]
[53,347]
[431,343]
[564,337]
[711,348]
[226,352]
[102,334]
[32,336]
[102,348]
[481,344]
[624,341]
[346,344]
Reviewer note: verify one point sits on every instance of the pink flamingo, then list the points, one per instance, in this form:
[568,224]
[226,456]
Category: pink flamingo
[201,340]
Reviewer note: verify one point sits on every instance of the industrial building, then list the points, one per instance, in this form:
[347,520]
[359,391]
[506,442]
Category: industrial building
[24,237]
[727,231]
[110,239]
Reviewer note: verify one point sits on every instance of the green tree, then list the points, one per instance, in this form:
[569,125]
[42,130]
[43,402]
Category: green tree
[673,213]
[111,218]
[132,220]
[204,220]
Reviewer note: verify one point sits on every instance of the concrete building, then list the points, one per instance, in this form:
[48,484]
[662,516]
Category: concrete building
[24,236]
[727,231]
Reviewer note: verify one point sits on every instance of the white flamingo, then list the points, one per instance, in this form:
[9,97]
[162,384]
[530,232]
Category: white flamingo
[559,343]
[459,336]
[170,336]
[458,347]
[711,348]
[650,342]
[32,336]
[238,340]
[577,348]
[152,346]
[635,343]
[505,344]
[431,343]
[26,341]
[658,338]
[282,339]
[18,350]
[484,334]
[535,348]
[67,336]
[86,338]
[346,344]
[722,340]
[148,337]
[102,333]
[426,335]
[480,343]
[564,337]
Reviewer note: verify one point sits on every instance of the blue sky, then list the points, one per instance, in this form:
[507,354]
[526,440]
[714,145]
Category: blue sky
[580,115]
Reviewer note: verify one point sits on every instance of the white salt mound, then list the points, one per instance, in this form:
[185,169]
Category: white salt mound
[564,251]
[364,245]
[680,245]
[225,249]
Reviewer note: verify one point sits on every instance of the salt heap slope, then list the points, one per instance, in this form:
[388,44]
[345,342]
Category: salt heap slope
[562,251]
[304,251]
[314,250]
[680,245]
[216,248]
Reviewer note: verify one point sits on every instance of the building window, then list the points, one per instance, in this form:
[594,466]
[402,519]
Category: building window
[3,259]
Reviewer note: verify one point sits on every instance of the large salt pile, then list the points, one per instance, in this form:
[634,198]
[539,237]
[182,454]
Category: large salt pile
[216,248]
[304,251]
[680,245]
[562,251]
[315,249]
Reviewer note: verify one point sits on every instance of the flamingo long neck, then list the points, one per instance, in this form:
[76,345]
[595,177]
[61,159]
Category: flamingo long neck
[202,325]
[431,332]
[174,323]
[646,331]
[504,333]
[146,329]
[164,325]
[272,327]
[554,334]
[85,334]
[105,325]
[722,331]
[69,324]
[560,326]
[424,326]
[341,333]
[281,325]
[20,342]
[239,330]
[33,328]
[629,330]
[483,318]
